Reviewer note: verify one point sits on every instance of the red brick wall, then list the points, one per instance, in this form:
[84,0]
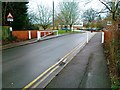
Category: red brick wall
[108,35]
[23,35]
[34,34]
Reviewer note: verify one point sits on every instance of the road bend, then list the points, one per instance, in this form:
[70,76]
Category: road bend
[21,65]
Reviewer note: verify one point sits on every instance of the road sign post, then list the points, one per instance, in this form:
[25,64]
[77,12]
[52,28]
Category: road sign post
[10,20]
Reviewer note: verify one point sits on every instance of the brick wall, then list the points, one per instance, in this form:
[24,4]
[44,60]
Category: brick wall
[23,35]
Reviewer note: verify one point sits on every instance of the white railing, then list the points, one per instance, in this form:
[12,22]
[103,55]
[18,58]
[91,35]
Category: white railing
[39,37]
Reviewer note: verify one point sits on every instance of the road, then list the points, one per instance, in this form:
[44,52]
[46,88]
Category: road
[88,69]
[23,64]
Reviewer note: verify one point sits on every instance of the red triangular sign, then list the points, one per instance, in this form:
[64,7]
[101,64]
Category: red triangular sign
[9,16]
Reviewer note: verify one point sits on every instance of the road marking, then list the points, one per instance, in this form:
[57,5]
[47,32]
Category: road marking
[64,60]
[76,48]
[37,84]
[71,51]
[53,67]
[41,75]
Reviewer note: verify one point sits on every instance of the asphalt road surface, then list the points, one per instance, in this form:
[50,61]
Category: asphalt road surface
[88,69]
[21,65]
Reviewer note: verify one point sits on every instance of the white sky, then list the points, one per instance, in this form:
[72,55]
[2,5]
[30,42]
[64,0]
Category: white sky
[95,4]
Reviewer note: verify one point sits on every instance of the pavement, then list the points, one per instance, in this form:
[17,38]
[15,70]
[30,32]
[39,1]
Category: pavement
[12,45]
[88,69]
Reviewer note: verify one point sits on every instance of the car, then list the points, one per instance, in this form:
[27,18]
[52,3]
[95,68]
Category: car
[65,28]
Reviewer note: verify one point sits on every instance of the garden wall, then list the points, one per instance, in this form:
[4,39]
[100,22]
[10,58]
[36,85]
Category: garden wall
[107,36]
[23,35]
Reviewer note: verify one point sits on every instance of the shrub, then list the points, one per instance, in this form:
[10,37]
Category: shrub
[5,32]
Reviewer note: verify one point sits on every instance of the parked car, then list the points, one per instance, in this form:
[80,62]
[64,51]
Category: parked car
[65,28]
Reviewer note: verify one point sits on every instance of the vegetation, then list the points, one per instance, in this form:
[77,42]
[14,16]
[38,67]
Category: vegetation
[43,16]
[112,51]
[112,7]
[69,13]
[5,32]
[112,45]
[62,32]
[19,13]
[69,32]
[89,15]
[92,19]
[6,35]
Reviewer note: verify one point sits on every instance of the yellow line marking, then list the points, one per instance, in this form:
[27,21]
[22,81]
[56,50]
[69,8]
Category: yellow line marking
[31,83]
[72,50]
[77,47]
[45,77]
[41,75]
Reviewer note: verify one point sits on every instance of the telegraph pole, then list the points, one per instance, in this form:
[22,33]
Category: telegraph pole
[53,16]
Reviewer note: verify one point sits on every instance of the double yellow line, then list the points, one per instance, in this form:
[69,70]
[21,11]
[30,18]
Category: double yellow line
[36,82]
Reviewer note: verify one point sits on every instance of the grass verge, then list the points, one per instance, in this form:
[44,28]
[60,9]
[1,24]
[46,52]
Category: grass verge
[68,32]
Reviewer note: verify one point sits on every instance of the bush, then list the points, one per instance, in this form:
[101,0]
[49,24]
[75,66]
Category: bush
[13,38]
[112,48]
[5,32]
[6,38]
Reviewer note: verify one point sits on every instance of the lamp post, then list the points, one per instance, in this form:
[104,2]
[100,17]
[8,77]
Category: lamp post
[10,20]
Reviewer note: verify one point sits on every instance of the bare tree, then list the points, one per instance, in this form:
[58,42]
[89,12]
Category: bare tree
[112,7]
[4,9]
[43,16]
[69,12]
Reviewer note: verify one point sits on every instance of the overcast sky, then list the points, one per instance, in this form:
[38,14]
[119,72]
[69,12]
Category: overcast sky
[95,4]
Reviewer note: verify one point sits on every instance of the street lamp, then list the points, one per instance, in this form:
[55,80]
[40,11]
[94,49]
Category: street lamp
[10,19]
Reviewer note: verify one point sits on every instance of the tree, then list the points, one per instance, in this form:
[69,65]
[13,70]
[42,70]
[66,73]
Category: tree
[112,7]
[19,12]
[69,12]
[89,15]
[43,16]
[113,44]
[57,22]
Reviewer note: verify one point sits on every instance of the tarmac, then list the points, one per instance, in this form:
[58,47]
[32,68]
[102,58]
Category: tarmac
[31,41]
[88,69]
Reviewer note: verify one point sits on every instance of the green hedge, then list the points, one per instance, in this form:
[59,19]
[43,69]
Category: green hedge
[5,32]
[0,33]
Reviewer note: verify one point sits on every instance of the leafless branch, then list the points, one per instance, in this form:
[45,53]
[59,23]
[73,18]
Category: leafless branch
[106,5]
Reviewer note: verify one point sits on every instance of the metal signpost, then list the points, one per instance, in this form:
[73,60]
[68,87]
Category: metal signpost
[10,19]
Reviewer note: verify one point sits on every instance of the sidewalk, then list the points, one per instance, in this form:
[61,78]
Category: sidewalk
[11,45]
[88,69]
